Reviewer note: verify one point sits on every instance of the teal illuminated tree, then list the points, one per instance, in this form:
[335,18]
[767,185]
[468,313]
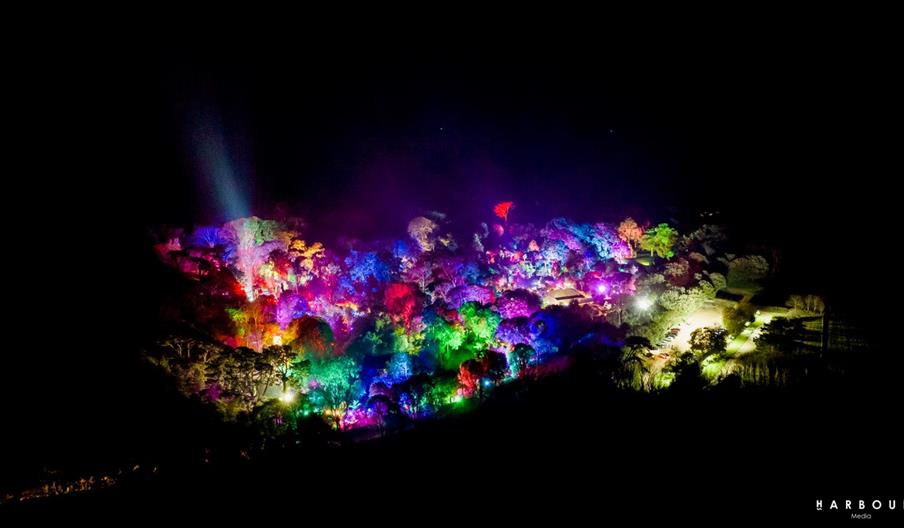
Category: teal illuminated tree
[521,357]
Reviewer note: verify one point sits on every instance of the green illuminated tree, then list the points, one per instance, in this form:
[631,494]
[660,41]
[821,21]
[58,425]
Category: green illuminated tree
[190,360]
[734,318]
[282,358]
[337,386]
[634,371]
[659,241]
[638,344]
[709,340]
[246,374]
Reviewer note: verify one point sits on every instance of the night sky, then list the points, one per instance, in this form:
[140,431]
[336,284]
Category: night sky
[358,138]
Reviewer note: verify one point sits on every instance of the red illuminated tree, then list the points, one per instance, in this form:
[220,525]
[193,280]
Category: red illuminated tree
[469,376]
[401,301]
[502,210]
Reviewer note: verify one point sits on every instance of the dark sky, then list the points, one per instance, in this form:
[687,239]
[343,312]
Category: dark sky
[359,138]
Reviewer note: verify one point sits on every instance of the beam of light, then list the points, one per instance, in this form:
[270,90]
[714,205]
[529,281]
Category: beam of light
[216,170]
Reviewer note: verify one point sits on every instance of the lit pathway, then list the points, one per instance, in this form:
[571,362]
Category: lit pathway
[743,343]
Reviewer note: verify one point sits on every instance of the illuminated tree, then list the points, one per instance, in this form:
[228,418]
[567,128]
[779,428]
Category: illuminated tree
[189,360]
[364,266]
[246,374]
[470,376]
[314,338]
[420,273]
[678,272]
[517,303]
[282,359]
[252,240]
[707,238]
[631,233]
[495,366]
[688,376]
[336,386]
[502,210]
[421,230]
[734,318]
[522,356]
[413,394]
[717,280]
[638,344]
[682,301]
[514,331]
[208,236]
[400,368]
[480,325]
[809,303]
[447,342]
[659,241]
[379,407]
[461,295]
[401,301]
[708,340]
[442,390]
[634,370]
